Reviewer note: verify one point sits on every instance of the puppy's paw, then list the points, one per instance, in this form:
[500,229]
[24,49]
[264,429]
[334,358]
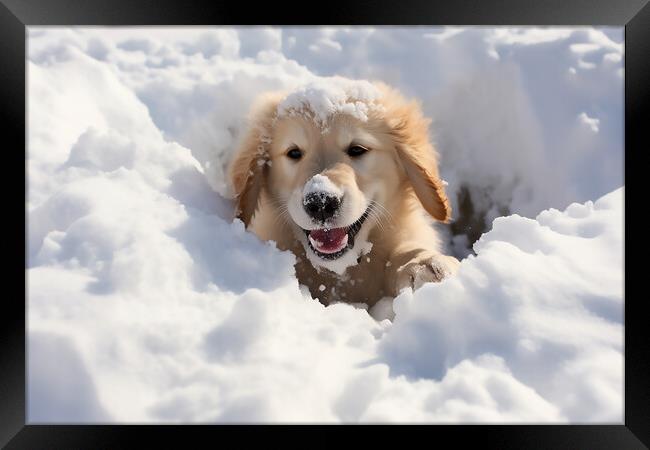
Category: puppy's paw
[425,269]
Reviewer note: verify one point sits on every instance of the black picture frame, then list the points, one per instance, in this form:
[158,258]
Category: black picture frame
[16,15]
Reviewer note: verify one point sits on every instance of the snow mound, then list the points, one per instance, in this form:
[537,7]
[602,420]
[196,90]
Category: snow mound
[147,303]
[546,295]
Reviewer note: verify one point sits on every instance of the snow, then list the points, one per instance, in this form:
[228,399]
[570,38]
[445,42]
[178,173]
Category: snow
[148,303]
[323,98]
[321,185]
[547,290]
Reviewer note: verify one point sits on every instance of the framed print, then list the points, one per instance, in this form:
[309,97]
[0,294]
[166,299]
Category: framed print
[410,215]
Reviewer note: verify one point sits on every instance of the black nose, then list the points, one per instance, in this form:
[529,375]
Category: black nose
[321,205]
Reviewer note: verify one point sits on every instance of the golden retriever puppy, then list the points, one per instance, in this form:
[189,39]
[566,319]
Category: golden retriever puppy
[343,174]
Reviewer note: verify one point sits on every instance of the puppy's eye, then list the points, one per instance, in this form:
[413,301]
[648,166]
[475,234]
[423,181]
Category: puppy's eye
[356,150]
[294,153]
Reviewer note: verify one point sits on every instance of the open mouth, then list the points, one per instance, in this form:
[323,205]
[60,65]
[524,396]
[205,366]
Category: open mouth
[332,243]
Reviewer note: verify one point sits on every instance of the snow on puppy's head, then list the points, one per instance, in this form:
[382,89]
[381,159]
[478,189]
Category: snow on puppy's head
[321,99]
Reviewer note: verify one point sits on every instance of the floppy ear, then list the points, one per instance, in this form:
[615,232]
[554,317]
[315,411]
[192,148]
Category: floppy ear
[410,131]
[427,185]
[248,169]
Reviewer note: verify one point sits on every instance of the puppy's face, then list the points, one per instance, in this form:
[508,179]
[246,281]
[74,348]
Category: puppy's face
[332,183]
[332,186]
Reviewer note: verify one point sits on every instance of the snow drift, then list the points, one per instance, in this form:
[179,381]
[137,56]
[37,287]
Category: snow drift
[147,303]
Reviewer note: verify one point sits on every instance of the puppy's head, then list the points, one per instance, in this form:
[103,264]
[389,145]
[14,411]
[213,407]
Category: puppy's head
[335,163]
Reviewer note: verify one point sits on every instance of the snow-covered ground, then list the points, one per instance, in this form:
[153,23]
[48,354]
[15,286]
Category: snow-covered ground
[148,304]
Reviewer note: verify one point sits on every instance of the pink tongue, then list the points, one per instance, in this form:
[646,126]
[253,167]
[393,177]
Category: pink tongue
[329,241]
